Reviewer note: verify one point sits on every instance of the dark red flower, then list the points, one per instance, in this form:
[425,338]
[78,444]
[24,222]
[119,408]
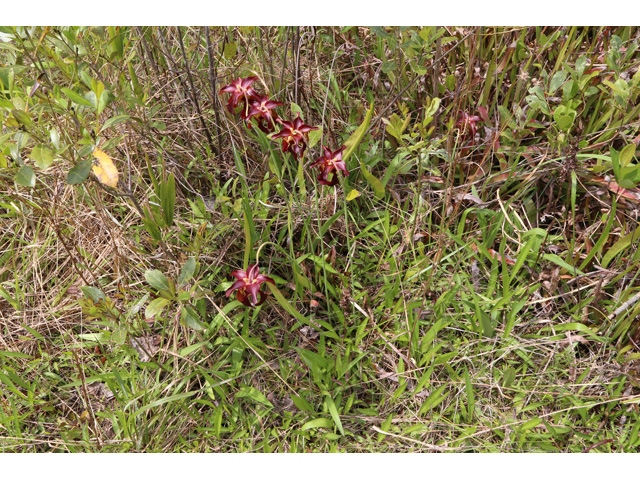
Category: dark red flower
[248,285]
[294,136]
[330,163]
[261,109]
[467,124]
[241,91]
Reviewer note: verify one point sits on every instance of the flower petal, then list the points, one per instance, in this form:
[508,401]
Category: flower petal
[242,298]
[253,290]
[236,285]
[239,274]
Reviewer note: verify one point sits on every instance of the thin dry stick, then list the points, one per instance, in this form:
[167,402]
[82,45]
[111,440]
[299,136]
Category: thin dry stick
[284,59]
[213,79]
[413,440]
[86,398]
[415,79]
[179,86]
[625,306]
[192,90]
[295,47]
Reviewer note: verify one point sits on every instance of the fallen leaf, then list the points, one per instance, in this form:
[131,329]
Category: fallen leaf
[106,171]
[353,194]
[146,346]
[629,193]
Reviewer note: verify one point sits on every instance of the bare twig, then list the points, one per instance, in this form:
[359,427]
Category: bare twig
[625,306]
[213,80]
[192,90]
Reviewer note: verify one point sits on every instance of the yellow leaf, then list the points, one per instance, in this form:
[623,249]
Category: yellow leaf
[353,194]
[106,171]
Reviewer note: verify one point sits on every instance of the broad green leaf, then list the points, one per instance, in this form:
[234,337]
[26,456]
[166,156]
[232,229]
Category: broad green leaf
[434,104]
[315,136]
[42,156]
[564,117]
[620,246]
[325,227]
[156,279]
[334,412]
[22,118]
[626,155]
[375,183]
[92,99]
[114,121]
[26,177]
[191,318]
[188,269]
[296,110]
[615,163]
[319,261]
[168,199]
[552,257]
[508,377]
[356,137]
[317,423]
[151,224]
[286,305]
[629,176]
[301,403]
[557,80]
[79,172]
[254,394]
[186,351]
[604,236]
[119,335]
[581,64]
[156,307]
[313,359]
[104,99]
[529,424]
[487,325]
[230,50]
[93,293]
[75,97]
[470,396]
[249,234]
[564,122]
[434,399]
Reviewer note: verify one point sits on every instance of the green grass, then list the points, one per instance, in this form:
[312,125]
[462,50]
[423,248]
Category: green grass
[451,294]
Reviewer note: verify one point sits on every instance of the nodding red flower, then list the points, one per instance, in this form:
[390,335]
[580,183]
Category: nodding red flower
[294,136]
[329,163]
[467,124]
[241,91]
[261,109]
[248,285]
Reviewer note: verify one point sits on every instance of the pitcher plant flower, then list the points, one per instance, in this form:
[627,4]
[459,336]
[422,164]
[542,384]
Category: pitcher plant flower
[467,124]
[248,285]
[329,164]
[261,109]
[294,136]
[241,91]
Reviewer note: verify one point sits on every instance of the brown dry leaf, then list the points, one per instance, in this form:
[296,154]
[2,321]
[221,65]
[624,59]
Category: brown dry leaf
[106,171]
[146,346]
[100,391]
[571,339]
[630,193]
